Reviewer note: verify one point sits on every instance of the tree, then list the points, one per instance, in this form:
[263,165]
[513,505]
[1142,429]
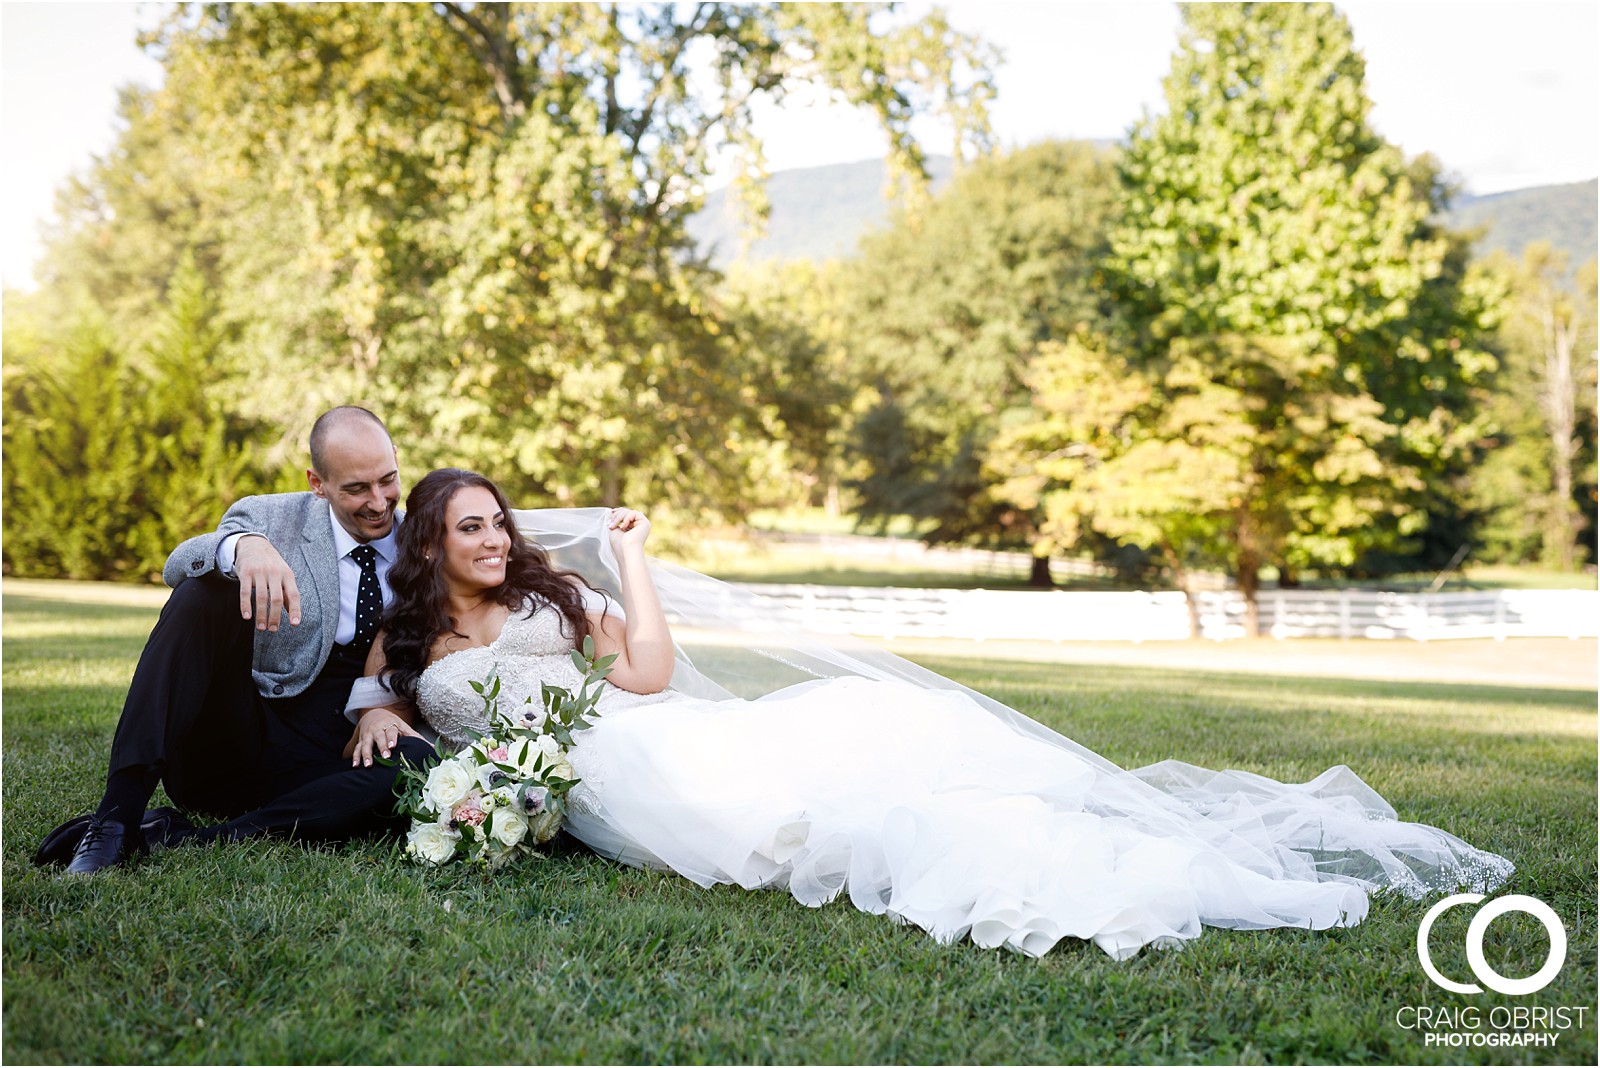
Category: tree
[1536,485]
[122,228]
[786,320]
[472,216]
[197,455]
[1298,343]
[945,309]
[71,459]
[117,451]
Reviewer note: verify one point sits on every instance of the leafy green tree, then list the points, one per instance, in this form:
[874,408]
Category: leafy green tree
[1298,342]
[1537,484]
[944,311]
[198,455]
[124,225]
[72,461]
[786,318]
[114,455]
[471,216]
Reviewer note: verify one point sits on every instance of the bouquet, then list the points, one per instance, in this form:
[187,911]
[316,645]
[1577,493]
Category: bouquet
[506,792]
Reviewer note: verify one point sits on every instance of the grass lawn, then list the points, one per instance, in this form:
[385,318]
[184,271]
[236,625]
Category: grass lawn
[1528,578]
[271,952]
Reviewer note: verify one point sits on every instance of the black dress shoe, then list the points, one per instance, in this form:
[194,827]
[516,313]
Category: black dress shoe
[164,827]
[161,826]
[59,844]
[105,842]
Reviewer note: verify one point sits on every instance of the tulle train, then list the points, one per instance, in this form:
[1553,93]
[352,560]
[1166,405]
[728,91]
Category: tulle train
[920,805]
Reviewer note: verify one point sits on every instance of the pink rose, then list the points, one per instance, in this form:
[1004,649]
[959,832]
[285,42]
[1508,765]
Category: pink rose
[499,755]
[469,812]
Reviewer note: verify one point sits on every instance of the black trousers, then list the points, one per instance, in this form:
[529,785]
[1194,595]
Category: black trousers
[194,720]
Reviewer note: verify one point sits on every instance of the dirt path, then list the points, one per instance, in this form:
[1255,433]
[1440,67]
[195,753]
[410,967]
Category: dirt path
[1554,662]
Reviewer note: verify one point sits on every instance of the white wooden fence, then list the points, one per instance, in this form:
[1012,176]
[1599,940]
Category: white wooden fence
[1060,615]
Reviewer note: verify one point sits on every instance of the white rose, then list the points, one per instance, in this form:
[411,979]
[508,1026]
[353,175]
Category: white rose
[447,785]
[550,748]
[507,826]
[433,842]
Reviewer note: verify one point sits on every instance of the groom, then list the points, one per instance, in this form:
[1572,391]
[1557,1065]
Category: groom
[237,705]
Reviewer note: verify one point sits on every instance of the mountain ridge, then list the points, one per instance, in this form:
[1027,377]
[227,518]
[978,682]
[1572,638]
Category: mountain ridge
[821,213]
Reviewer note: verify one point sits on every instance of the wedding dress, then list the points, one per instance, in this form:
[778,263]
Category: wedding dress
[826,767]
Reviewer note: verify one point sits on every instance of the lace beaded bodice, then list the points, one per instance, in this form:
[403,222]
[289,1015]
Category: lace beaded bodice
[531,650]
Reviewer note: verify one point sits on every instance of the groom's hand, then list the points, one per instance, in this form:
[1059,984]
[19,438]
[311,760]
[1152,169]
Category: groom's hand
[266,583]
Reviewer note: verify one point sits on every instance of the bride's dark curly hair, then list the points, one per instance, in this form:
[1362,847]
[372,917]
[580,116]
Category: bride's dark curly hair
[420,613]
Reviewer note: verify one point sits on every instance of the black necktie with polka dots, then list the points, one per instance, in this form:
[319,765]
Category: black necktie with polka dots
[369,598]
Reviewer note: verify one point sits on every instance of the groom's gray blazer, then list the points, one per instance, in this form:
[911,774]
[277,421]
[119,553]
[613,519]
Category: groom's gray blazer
[300,527]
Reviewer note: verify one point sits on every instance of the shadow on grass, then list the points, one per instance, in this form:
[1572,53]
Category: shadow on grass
[22,609]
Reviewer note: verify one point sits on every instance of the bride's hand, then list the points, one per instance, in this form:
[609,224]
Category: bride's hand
[628,528]
[379,729]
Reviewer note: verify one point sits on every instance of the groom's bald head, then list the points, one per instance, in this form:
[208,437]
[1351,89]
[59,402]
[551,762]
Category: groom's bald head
[336,423]
[354,467]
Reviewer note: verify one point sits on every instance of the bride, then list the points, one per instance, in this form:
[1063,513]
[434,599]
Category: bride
[915,796]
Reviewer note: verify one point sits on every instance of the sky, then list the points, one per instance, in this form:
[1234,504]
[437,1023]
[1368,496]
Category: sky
[1506,94]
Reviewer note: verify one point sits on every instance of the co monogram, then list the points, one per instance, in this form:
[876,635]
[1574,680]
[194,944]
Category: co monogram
[1475,931]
